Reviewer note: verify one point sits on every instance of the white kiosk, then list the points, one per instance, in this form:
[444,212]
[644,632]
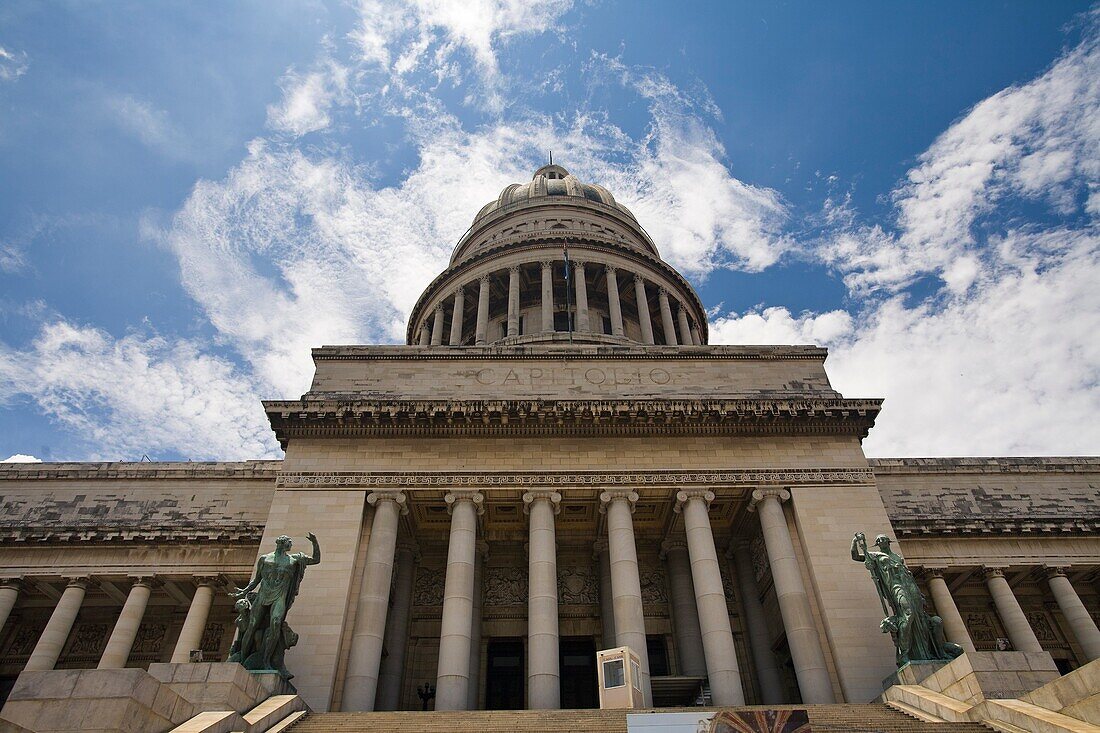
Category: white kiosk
[619,671]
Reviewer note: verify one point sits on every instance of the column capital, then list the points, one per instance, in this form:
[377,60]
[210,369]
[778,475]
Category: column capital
[410,547]
[482,549]
[484,279]
[474,497]
[397,497]
[145,579]
[459,289]
[607,497]
[1054,571]
[439,308]
[672,544]
[547,264]
[934,571]
[992,571]
[759,495]
[579,264]
[610,269]
[513,270]
[78,581]
[210,580]
[683,497]
[13,582]
[531,497]
[599,547]
[662,292]
[639,278]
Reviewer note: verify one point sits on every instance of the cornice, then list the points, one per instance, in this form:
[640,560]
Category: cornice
[1038,464]
[543,352]
[241,533]
[242,470]
[533,479]
[937,527]
[308,418]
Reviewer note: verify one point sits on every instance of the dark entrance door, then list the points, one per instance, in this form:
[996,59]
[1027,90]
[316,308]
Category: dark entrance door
[505,678]
[578,672]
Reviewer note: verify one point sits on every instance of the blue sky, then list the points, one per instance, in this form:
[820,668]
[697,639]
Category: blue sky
[193,194]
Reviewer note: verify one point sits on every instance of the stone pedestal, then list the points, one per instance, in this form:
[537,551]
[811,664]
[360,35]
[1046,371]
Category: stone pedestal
[211,686]
[978,676]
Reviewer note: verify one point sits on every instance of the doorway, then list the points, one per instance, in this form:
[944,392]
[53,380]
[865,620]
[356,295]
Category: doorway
[578,672]
[505,678]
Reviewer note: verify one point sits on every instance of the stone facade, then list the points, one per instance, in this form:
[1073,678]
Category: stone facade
[555,462]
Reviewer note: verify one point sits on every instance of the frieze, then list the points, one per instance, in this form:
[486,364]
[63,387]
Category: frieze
[149,639]
[653,585]
[428,588]
[578,585]
[505,586]
[411,479]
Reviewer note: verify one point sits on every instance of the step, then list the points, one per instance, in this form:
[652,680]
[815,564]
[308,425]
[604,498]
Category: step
[271,711]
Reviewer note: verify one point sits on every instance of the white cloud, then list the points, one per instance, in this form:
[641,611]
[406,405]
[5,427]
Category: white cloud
[21,458]
[13,64]
[149,125]
[138,394]
[307,98]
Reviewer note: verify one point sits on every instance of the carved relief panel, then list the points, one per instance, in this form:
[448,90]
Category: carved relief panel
[578,585]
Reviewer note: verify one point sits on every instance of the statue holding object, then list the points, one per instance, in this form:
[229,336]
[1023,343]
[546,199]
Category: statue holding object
[917,635]
[263,635]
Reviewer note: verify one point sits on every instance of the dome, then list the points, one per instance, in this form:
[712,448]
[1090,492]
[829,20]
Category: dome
[550,180]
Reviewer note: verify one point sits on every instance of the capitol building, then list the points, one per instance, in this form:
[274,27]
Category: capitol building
[556,462]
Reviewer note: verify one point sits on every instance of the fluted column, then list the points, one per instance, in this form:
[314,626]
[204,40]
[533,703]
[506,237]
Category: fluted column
[1077,616]
[682,322]
[547,296]
[473,697]
[365,654]
[607,599]
[9,594]
[117,652]
[643,309]
[456,316]
[1012,616]
[696,339]
[453,676]
[194,625]
[723,672]
[685,615]
[582,298]
[666,317]
[756,623]
[543,675]
[482,332]
[49,645]
[437,326]
[425,334]
[613,303]
[513,301]
[954,628]
[397,628]
[626,586]
[794,603]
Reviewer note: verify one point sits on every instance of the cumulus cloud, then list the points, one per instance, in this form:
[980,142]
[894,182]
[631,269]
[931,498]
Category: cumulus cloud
[138,394]
[13,64]
[21,458]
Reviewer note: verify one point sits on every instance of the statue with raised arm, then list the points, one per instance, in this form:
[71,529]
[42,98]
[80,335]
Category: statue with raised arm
[263,635]
[918,635]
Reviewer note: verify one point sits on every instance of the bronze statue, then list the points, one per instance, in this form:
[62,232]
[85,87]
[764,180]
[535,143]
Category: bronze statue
[917,635]
[263,635]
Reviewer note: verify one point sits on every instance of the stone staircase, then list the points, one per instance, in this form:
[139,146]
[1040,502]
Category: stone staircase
[869,718]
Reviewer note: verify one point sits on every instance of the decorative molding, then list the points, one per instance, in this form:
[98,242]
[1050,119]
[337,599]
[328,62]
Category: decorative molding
[628,352]
[758,495]
[140,471]
[505,479]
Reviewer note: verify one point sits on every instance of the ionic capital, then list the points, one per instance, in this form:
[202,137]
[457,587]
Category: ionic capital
[547,264]
[683,497]
[1053,571]
[992,571]
[147,580]
[12,583]
[607,497]
[397,497]
[474,497]
[933,572]
[531,497]
[673,544]
[759,495]
[484,279]
[210,581]
[78,581]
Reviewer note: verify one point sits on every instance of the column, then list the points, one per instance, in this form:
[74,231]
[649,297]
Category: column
[392,671]
[682,322]
[194,625]
[9,594]
[49,645]
[425,334]
[643,309]
[453,676]
[1012,616]
[365,654]
[696,339]
[794,603]
[607,600]
[513,301]
[121,641]
[473,696]
[582,298]
[1082,625]
[543,675]
[626,586]
[666,317]
[685,616]
[547,296]
[437,326]
[480,335]
[613,303]
[954,628]
[756,627]
[456,316]
[710,598]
